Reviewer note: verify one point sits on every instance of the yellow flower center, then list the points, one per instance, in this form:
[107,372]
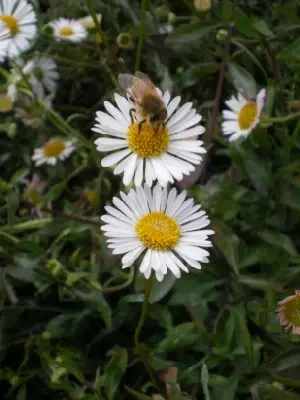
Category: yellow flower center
[291,310]
[11,22]
[54,148]
[92,197]
[247,115]
[158,231]
[147,141]
[6,103]
[66,31]
[32,195]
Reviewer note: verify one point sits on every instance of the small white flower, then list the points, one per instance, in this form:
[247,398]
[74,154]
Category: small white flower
[243,115]
[141,153]
[42,75]
[88,22]
[53,151]
[68,29]
[17,27]
[164,228]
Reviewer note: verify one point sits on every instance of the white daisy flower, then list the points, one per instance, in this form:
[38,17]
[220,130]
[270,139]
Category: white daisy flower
[17,26]
[53,151]
[164,228]
[142,153]
[88,22]
[42,75]
[243,116]
[68,29]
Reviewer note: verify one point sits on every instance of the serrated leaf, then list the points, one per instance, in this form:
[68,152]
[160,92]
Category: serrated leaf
[114,371]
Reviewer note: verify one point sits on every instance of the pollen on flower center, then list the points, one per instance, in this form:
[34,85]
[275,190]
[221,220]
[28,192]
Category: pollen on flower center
[66,31]
[54,148]
[147,141]
[158,231]
[11,22]
[247,115]
[291,310]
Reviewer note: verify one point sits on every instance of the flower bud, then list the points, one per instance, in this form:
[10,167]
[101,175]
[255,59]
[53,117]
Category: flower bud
[202,5]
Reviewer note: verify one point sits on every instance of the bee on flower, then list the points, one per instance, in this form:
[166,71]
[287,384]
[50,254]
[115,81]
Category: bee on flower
[149,136]
[33,192]
[288,313]
[53,151]
[243,115]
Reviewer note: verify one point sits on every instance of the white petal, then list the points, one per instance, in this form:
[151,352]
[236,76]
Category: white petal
[114,158]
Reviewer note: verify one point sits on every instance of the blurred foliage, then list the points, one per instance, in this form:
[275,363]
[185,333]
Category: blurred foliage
[68,311]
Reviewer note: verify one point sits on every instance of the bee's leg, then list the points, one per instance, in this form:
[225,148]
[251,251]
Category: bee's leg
[131,113]
[140,125]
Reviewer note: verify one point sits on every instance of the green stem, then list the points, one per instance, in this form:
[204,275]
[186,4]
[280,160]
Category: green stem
[142,35]
[137,344]
[90,7]
[89,4]
[281,120]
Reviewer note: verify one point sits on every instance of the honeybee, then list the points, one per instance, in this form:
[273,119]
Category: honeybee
[148,105]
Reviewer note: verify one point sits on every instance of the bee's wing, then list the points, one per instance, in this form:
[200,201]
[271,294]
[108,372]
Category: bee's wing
[146,80]
[126,80]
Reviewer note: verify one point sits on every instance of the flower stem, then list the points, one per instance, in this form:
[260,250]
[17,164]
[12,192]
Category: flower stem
[137,344]
[281,120]
[142,35]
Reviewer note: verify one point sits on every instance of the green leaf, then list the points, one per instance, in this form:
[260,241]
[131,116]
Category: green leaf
[224,330]
[256,170]
[97,302]
[226,9]
[228,390]
[180,336]
[228,244]
[19,175]
[262,27]
[279,240]
[204,382]
[64,325]
[257,283]
[192,75]
[114,371]
[244,24]
[161,289]
[268,392]
[291,52]
[185,34]
[56,190]
[244,334]
[22,393]
[242,80]
[137,395]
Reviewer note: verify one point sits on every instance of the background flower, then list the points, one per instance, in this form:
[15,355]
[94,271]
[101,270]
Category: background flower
[17,27]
